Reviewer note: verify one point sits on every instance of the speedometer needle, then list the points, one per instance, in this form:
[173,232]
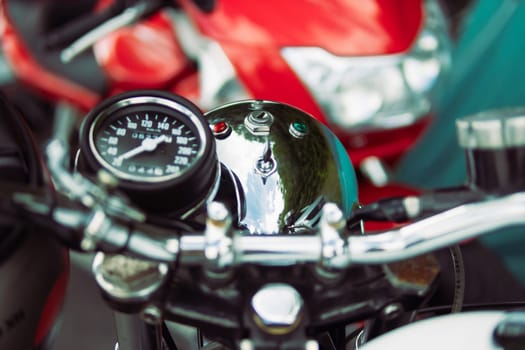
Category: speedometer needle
[147,145]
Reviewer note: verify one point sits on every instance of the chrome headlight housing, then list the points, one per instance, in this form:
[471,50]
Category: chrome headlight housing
[376,92]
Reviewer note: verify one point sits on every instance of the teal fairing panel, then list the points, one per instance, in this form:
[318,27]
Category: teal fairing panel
[488,72]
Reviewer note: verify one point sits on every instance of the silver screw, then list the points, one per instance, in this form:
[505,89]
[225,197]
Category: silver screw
[265,167]
[260,117]
[258,122]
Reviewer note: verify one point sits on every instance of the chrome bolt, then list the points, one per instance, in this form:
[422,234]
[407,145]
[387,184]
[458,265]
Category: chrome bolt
[266,164]
[218,213]
[311,345]
[173,245]
[277,308]
[265,167]
[333,215]
[334,246]
[258,122]
[217,249]
[260,117]
[246,344]
[107,179]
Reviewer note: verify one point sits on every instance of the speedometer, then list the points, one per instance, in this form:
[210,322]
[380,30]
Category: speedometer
[158,145]
[146,145]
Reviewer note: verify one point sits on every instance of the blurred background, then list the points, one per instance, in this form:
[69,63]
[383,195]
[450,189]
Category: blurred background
[487,73]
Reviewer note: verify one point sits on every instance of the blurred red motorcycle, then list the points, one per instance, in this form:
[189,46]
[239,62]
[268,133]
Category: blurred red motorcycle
[365,70]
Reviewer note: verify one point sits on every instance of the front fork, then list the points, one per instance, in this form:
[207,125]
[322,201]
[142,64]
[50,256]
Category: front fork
[133,333]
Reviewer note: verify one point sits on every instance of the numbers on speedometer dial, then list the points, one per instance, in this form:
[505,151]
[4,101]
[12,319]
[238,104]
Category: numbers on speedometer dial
[146,146]
[158,146]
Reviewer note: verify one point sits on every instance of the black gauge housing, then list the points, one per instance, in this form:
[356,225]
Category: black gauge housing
[157,145]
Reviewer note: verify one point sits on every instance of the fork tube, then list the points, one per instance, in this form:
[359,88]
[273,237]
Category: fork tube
[135,334]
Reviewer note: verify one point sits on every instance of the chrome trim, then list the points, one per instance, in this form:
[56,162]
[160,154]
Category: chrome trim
[277,308]
[495,129]
[438,231]
[323,73]
[276,250]
[445,229]
[281,176]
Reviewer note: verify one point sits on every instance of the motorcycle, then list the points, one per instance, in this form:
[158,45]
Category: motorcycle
[368,73]
[245,223]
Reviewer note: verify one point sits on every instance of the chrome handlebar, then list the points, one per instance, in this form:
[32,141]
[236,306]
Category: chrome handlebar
[333,251]
[220,247]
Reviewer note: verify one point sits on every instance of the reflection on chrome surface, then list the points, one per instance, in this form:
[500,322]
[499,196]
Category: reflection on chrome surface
[288,165]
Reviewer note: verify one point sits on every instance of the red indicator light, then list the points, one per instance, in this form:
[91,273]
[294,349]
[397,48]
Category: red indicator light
[220,129]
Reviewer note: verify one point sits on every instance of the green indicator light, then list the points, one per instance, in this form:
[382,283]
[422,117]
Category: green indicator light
[300,127]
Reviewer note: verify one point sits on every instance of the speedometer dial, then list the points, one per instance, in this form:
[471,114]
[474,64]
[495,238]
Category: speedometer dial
[158,145]
[146,146]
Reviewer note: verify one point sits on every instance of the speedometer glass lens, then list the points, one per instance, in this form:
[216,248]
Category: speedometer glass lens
[158,146]
[146,145]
